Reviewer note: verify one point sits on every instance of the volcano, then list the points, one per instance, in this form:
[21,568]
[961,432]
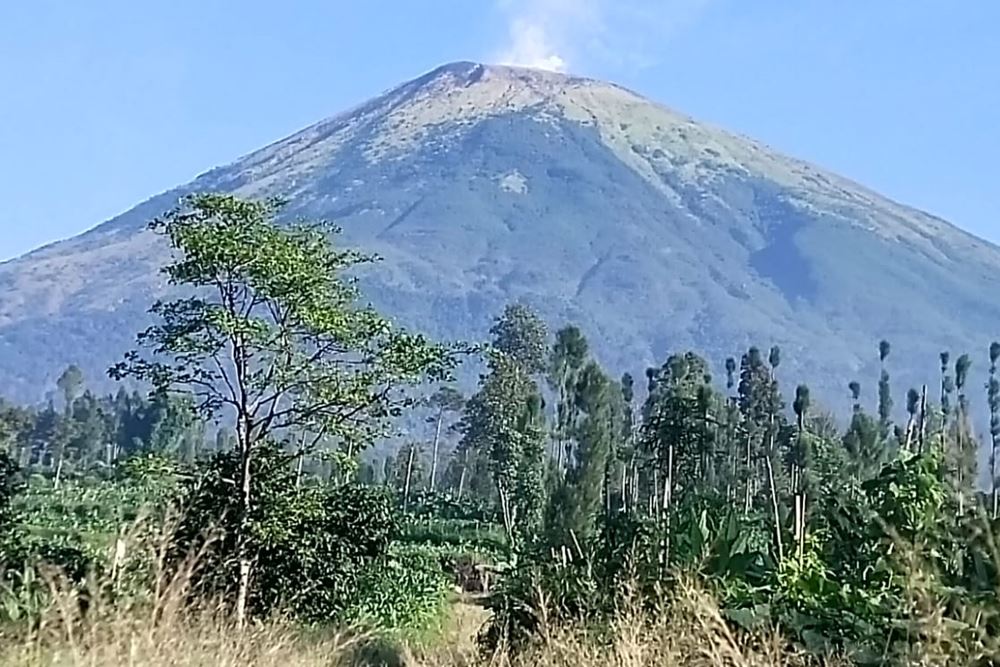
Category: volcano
[481,185]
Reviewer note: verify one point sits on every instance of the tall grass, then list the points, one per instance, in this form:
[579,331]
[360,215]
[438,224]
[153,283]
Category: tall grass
[77,630]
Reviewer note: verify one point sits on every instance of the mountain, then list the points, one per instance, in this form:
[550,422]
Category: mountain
[479,185]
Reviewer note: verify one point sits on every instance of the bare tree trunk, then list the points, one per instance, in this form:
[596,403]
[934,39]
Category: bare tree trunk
[944,418]
[800,525]
[242,538]
[746,504]
[654,504]
[409,475]
[911,424]
[959,446]
[625,489]
[434,456]
[461,478]
[298,468]
[59,467]
[635,486]
[774,507]
[509,517]
[923,420]
[993,479]
[607,488]
[799,487]
[668,499]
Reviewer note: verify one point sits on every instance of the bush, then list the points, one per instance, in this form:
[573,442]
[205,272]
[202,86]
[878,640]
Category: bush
[310,545]
[404,591]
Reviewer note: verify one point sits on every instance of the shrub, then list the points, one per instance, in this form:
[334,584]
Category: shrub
[310,545]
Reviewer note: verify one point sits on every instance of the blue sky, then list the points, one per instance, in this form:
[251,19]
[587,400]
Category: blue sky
[106,102]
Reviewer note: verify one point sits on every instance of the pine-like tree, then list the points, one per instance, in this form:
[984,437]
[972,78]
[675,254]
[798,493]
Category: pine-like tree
[800,460]
[884,392]
[993,400]
[965,449]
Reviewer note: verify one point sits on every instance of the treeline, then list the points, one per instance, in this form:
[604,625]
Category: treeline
[850,539]
[81,432]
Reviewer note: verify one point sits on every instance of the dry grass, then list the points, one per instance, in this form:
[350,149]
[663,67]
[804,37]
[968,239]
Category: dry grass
[691,631]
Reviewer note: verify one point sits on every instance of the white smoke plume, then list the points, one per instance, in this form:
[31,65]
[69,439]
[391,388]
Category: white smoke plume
[559,34]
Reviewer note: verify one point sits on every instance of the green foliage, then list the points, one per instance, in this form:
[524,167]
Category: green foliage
[270,338]
[503,423]
[405,590]
[520,335]
[581,494]
[273,338]
[10,485]
[792,524]
[310,544]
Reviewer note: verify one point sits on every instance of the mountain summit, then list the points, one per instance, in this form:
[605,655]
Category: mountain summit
[479,185]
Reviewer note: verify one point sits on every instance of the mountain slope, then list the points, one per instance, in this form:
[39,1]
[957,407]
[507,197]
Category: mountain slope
[479,185]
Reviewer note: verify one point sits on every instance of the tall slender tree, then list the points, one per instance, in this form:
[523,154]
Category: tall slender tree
[965,450]
[504,421]
[993,400]
[444,402]
[855,388]
[760,406]
[799,462]
[884,392]
[947,387]
[71,385]
[912,409]
[587,479]
[566,361]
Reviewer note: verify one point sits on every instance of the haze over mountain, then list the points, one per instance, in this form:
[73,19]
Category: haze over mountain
[480,185]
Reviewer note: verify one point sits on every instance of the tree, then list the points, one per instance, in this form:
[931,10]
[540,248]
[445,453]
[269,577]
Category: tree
[269,337]
[774,406]
[675,436]
[912,408]
[10,485]
[70,383]
[506,424]
[965,450]
[864,446]
[993,400]
[504,421]
[855,387]
[521,335]
[884,391]
[566,361]
[446,400]
[577,502]
[312,545]
[411,470]
[798,468]
[629,481]
[760,405]
[947,386]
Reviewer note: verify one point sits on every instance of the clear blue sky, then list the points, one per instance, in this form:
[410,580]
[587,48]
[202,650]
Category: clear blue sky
[106,102]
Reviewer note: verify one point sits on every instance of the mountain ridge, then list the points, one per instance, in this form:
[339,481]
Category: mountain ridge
[482,184]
